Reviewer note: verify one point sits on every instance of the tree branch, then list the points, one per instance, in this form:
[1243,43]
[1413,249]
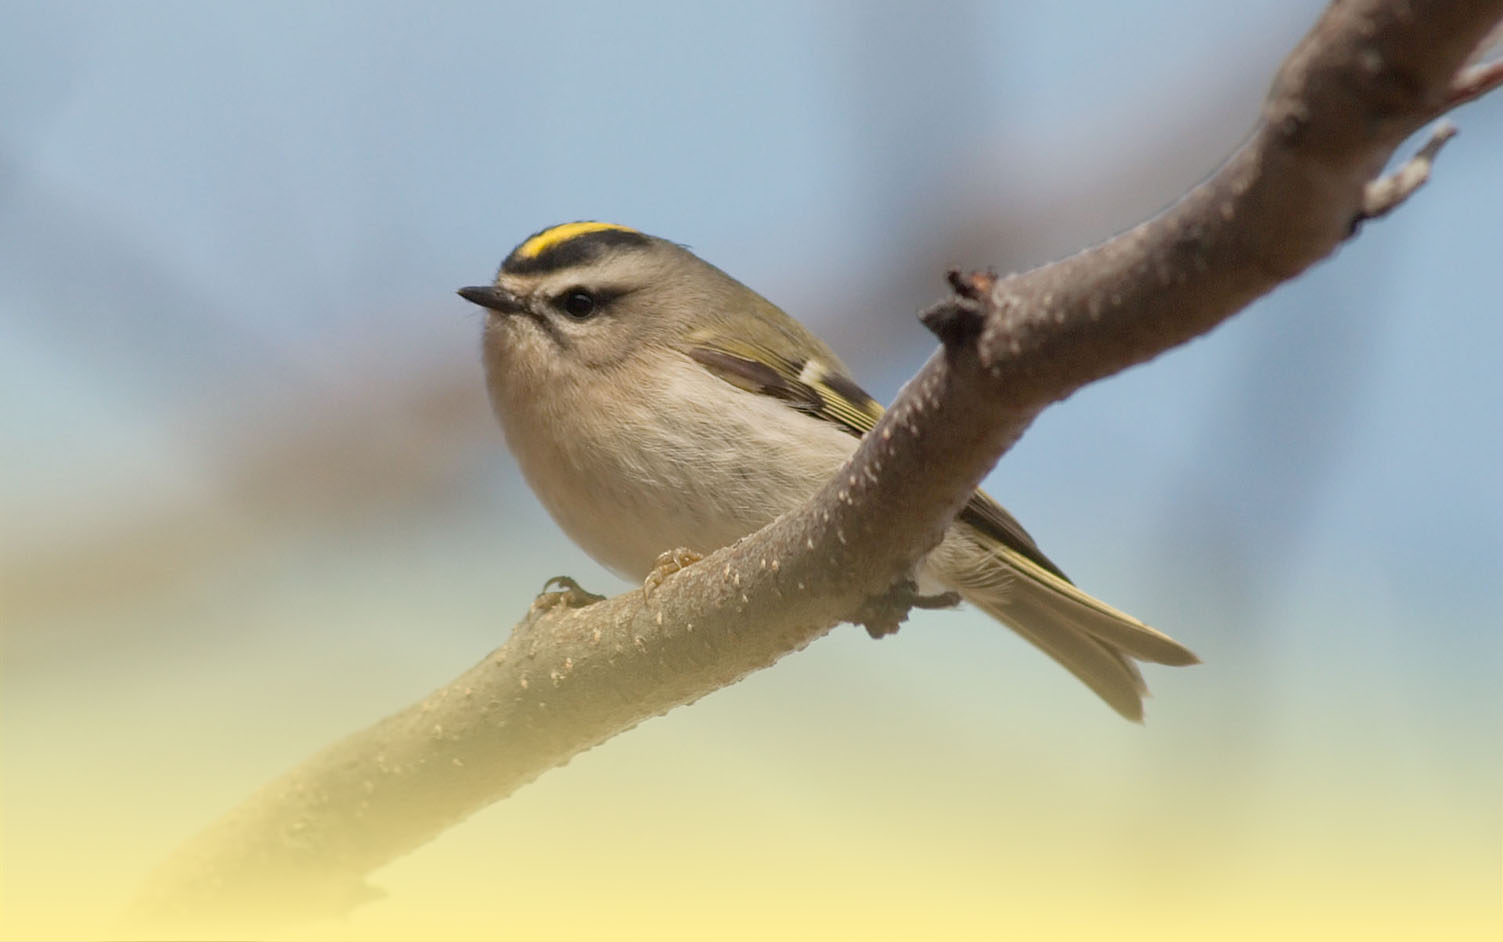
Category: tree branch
[1370,74]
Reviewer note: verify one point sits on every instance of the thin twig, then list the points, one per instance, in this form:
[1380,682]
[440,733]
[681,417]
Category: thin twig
[1475,82]
[1384,194]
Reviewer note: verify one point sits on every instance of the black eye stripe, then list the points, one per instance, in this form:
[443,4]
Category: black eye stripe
[599,299]
[578,303]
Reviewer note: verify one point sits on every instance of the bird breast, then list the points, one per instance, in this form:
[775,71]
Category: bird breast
[691,461]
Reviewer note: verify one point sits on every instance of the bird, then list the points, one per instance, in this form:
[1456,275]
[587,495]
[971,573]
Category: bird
[660,409]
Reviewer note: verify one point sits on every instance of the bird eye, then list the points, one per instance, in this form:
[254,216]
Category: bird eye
[579,303]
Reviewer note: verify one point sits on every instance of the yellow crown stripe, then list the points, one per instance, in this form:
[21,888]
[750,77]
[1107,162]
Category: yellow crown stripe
[558,235]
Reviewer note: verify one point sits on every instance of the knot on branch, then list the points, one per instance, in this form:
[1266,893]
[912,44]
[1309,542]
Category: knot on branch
[958,320]
[882,614]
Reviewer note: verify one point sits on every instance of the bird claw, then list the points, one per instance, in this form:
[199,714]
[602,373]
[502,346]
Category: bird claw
[667,564]
[569,594]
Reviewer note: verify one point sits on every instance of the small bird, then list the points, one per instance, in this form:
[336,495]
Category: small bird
[656,403]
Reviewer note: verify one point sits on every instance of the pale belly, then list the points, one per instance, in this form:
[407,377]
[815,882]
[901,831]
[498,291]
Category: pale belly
[698,478]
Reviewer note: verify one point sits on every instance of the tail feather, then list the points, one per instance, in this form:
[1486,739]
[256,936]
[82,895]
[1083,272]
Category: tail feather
[1112,676]
[1089,638]
[1093,616]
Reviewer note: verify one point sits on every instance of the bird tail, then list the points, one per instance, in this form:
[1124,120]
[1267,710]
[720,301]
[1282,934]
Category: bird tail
[1089,638]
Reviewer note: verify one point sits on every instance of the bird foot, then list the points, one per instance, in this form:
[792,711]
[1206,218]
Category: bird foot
[667,564]
[569,594]
[882,614]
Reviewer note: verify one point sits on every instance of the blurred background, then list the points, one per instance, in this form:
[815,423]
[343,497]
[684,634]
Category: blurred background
[253,498]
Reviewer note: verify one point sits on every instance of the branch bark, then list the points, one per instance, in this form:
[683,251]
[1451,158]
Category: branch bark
[1370,73]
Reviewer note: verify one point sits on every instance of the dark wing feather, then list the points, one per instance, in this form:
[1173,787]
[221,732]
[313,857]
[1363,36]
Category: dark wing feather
[816,388]
[992,519]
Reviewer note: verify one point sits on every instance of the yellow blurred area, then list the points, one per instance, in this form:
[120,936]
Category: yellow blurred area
[822,799]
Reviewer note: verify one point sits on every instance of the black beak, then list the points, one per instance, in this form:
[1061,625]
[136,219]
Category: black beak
[496,299]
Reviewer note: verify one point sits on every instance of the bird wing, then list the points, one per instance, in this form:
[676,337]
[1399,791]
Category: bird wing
[824,391]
